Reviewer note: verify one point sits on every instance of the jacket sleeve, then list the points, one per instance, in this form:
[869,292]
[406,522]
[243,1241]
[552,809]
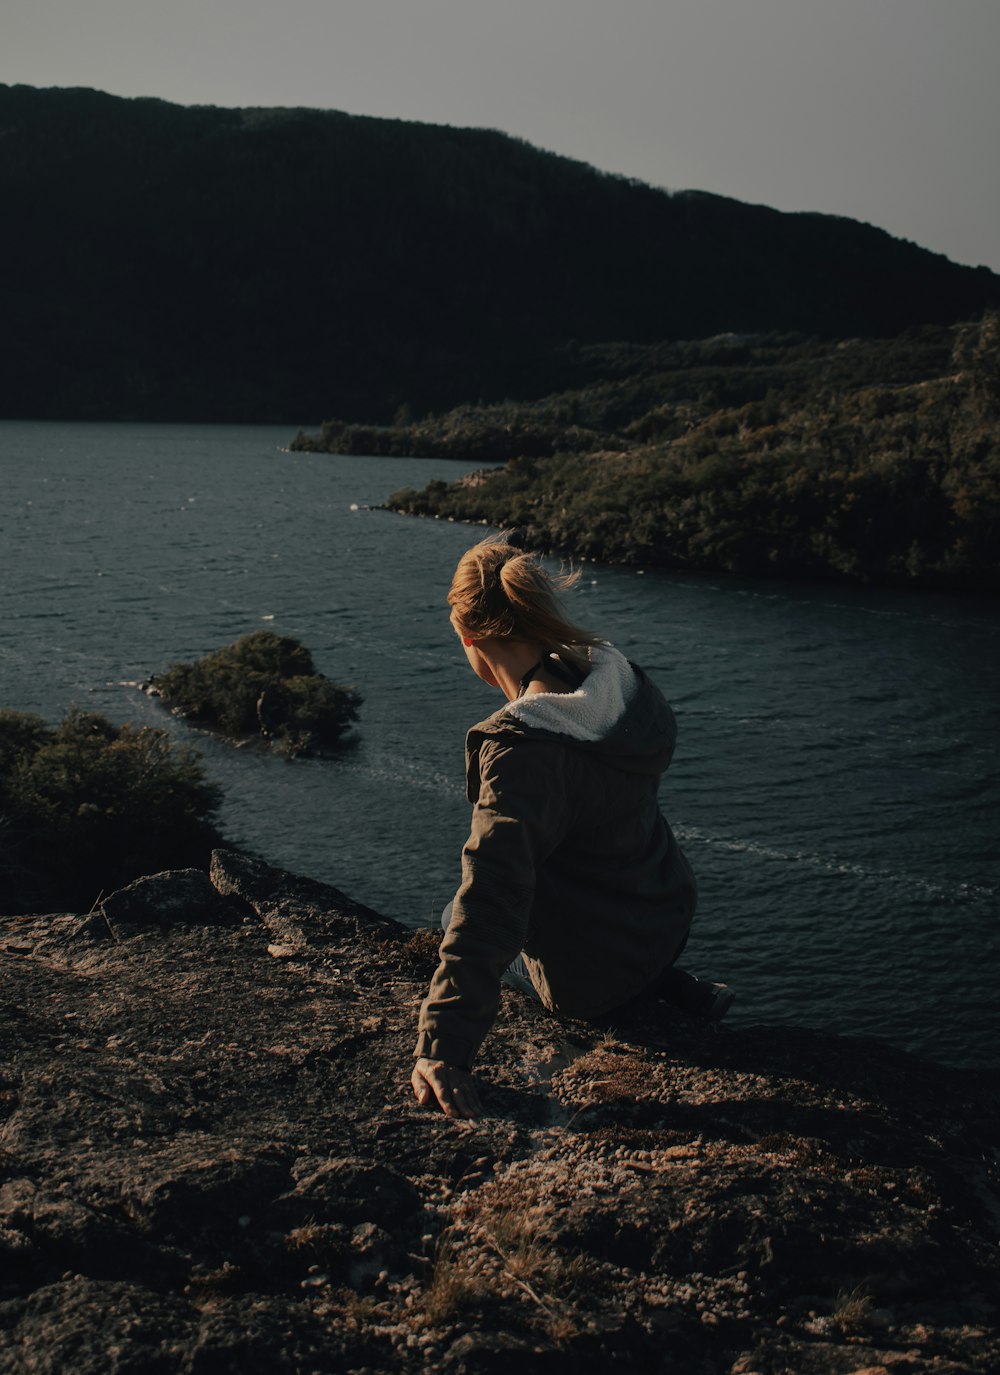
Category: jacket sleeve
[517,821]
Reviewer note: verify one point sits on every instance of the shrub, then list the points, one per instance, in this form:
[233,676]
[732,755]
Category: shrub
[88,806]
[262,684]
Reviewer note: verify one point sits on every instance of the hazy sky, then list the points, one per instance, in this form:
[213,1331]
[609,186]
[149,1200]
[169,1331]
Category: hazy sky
[883,110]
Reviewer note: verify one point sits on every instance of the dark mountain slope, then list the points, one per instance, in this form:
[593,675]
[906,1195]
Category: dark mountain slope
[171,262]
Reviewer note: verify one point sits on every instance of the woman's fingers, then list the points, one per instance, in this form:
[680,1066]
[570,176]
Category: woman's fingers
[421,1088]
[444,1080]
[454,1088]
[466,1094]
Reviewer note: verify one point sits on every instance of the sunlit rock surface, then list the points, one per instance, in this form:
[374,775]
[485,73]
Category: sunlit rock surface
[210,1161]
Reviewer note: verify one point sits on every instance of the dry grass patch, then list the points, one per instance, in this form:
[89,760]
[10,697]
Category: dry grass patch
[418,954]
[455,1278]
[501,1249]
[345,1305]
[610,1073]
[851,1310]
[205,1288]
[318,1241]
[528,1251]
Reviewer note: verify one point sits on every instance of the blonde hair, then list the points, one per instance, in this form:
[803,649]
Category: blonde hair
[500,591]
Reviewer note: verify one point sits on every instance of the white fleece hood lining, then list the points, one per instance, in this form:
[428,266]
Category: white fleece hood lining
[593,710]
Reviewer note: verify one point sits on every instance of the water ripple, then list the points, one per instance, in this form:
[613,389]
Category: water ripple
[837,778]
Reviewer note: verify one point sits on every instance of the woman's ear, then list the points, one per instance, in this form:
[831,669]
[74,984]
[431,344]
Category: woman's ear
[467,642]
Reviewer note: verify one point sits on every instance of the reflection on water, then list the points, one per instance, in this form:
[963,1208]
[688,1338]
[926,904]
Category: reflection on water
[837,777]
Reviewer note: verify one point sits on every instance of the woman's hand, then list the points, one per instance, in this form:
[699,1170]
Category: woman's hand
[454,1088]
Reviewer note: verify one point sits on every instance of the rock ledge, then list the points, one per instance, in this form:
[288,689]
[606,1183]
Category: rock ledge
[210,1161]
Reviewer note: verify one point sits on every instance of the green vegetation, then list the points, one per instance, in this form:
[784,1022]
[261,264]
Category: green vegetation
[855,461]
[482,434]
[263,684]
[633,394]
[274,264]
[86,806]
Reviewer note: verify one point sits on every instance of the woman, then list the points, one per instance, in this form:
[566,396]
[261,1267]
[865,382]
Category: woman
[570,862]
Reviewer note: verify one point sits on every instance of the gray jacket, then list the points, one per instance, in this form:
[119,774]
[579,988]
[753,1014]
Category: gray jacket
[569,859]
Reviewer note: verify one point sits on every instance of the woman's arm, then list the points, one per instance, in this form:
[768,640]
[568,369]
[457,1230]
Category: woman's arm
[518,820]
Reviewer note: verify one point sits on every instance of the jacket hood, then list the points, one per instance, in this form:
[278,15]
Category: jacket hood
[616,713]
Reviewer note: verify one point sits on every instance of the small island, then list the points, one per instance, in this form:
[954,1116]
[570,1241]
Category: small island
[262,687]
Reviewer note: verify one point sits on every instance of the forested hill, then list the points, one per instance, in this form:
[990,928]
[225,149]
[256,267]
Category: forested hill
[284,264]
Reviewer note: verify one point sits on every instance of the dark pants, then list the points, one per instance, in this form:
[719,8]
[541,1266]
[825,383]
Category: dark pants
[674,986]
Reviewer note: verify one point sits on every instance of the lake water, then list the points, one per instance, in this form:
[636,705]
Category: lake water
[836,784]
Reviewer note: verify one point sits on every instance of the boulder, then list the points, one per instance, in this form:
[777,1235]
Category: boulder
[178,895]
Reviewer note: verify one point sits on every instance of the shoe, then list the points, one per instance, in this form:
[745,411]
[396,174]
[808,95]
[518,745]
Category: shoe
[696,997]
[719,998]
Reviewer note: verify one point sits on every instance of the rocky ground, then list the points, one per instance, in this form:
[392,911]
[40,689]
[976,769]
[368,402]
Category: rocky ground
[210,1161]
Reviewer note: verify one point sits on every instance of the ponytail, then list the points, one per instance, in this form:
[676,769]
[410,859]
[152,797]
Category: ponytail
[499,591]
